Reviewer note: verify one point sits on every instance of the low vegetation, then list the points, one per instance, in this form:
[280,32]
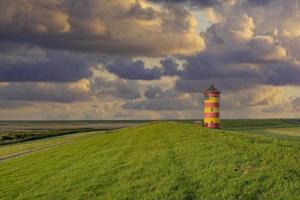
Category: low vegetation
[165,160]
[250,124]
[20,131]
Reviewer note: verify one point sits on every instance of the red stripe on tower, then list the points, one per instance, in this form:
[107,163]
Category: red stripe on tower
[214,94]
[212,125]
[213,114]
[211,104]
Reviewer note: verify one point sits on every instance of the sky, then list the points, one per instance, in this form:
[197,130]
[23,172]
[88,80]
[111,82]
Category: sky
[148,59]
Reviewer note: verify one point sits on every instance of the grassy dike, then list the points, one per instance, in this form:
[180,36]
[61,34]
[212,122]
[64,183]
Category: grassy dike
[164,160]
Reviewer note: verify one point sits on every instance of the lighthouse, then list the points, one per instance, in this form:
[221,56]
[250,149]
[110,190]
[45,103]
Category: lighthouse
[211,107]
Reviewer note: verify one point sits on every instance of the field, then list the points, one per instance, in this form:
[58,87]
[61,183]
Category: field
[19,131]
[246,159]
[280,129]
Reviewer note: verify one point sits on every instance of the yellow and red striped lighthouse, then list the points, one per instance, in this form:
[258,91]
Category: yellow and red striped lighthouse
[211,107]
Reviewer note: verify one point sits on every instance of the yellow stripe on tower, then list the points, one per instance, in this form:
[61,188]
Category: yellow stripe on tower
[212,100]
[211,110]
[211,120]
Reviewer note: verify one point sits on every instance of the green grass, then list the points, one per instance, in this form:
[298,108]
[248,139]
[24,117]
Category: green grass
[245,124]
[281,129]
[20,131]
[291,134]
[157,161]
[19,148]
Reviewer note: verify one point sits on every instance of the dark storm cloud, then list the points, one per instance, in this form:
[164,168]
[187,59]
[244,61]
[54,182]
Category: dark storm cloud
[153,92]
[202,3]
[260,2]
[202,70]
[139,12]
[223,84]
[167,100]
[34,92]
[210,3]
[115,88]
[170,67]
[56,67]
[134,70]
[11,53]
[282,73]
[234,41]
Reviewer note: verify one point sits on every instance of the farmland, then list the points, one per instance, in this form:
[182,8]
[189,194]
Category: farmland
[163,160]
[18,131]
[280,129]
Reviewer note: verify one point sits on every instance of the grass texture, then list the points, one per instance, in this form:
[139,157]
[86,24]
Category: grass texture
[165,160]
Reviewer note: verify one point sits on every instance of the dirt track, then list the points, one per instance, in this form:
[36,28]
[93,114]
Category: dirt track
[7,157]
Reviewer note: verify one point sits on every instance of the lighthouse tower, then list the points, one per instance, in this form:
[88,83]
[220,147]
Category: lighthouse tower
[211,107]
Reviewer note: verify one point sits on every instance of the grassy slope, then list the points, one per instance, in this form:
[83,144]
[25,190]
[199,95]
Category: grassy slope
[20,131]
[246,124]
[19,148]
[290,134]
[282,129]
[157,161]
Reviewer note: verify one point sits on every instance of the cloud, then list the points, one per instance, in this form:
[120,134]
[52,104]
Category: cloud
[13,105]
[134,70]
[296,104]
[137,70]
[170,67]
[33,17]
[123,89]
[201,3]
[282,73]
[235,41]
[257,96]
[251,45]
[158,100]
[153,92]
[46,92]
[224,85]
[11,53]
[260,2]
[31,64]
[115,27]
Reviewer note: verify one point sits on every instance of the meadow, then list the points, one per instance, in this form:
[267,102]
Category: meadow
[158,160]
[20,131]
[278,129]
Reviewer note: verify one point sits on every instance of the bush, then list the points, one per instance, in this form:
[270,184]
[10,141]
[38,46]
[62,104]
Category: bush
[19,136]
[6,138]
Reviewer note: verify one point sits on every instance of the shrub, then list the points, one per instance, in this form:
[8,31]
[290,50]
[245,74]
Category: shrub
[6,138]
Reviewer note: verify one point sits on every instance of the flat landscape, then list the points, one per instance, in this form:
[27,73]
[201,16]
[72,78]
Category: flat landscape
[18,131]
[158,160]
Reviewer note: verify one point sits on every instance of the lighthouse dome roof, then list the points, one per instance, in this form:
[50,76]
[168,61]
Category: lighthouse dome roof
[212,89]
